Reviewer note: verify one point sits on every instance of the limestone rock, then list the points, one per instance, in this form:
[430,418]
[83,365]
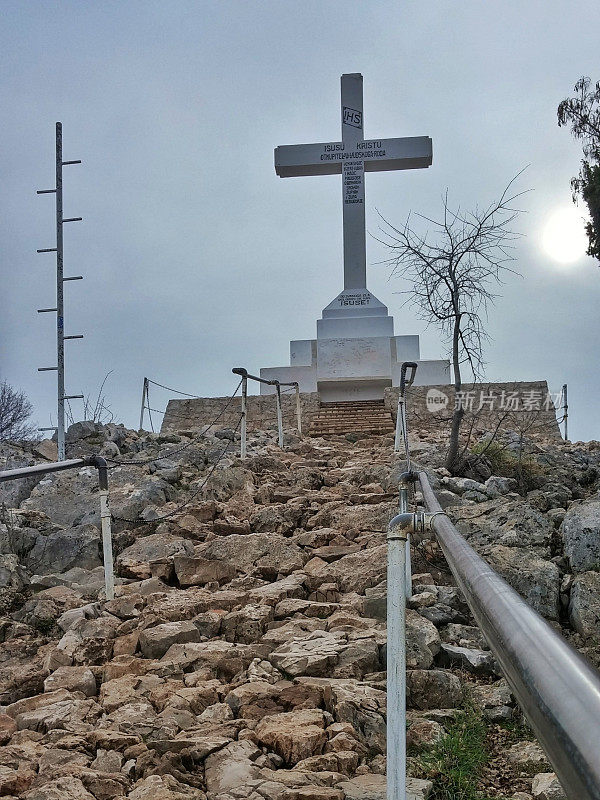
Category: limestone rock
[246,625]
[12,576]
[315,654]
[231,767]
[527,756]
[155,641]
[65,788]
[433,689]
[15,781]
[536,580]
[164,787]
[46,449]
[267,555]
[581,535]
[424,733]
[134,561]
[473,660]
[545,786]
[494,700]
[373,787]
[361,706]
[74,679]
[295,735]
[584,605]
[356,572]
[464,636]
[504,522]
[198,571]
[313,793]
[63,550]
[7,727]
[217,658]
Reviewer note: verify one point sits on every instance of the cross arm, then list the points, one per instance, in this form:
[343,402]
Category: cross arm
[412,152]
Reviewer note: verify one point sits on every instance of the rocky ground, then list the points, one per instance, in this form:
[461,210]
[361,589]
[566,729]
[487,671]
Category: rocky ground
[243,657]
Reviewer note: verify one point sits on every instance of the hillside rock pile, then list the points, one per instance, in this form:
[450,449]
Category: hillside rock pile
[243,657]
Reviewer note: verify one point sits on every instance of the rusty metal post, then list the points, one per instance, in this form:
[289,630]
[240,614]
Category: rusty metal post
[298,410]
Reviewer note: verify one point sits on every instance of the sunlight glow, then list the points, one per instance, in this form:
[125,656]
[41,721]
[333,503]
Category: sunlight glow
[564,238]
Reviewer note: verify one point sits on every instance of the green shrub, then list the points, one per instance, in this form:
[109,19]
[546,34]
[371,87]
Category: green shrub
[455,763]
[504,462]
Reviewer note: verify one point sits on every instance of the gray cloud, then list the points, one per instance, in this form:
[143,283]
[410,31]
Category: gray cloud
[196,256]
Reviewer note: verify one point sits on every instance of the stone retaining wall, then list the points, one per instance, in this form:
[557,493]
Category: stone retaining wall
[525,407]
[518,406]
[182,415]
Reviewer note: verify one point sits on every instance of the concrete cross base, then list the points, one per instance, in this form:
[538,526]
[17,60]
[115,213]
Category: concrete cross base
[355,356]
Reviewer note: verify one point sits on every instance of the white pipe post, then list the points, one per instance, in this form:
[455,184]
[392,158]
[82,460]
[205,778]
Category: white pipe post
[279,417]
[398,436]
[109,576]
[407,561]
[396,665]
[565,412]
[298,410]
[244,414]
[144,393]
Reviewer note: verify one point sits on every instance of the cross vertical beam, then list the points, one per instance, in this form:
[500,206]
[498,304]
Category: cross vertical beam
[353,184]
[351,158]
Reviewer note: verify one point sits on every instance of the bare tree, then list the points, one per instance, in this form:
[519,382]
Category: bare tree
[15,411]
[98,410]
[452,269]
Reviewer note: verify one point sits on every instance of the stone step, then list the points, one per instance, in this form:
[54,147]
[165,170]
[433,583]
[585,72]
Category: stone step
[359,416]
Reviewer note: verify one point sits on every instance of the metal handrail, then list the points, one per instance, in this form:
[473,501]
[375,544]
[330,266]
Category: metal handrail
[246,376]
[89,461]
[557,688]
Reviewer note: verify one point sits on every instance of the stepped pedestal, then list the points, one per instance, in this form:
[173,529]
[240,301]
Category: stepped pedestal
[356,354]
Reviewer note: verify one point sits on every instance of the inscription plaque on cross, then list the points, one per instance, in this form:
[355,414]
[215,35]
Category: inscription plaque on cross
[352,157]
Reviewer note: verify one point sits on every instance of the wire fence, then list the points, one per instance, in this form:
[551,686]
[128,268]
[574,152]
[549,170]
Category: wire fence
[141,521]
[175,451]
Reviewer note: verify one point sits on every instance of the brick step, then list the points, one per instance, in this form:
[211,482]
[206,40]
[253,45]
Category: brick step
[347,428]
[344,418]
[358,406]
[319,433]
[358,416]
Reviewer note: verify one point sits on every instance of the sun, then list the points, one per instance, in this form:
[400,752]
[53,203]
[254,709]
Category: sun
[564,238]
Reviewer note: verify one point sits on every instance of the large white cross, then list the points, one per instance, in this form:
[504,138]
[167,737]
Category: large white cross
[353,156]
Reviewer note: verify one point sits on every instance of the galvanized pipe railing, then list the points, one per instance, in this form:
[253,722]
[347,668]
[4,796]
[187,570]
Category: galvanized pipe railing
[246,376]
[557,688]
[90,461]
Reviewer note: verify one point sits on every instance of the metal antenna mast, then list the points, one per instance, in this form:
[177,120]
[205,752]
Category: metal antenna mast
[60,279]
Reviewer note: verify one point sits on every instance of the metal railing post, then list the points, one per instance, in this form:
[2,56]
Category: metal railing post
[397,537]
[277,384]
[401,432]
[399,417]
[105,522]
[144,394]
[565,412]
[405,479]
[279,417]
[399,530]
[298,410]
[244,415]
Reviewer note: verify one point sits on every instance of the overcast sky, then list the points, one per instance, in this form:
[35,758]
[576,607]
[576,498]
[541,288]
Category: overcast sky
[196,256]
